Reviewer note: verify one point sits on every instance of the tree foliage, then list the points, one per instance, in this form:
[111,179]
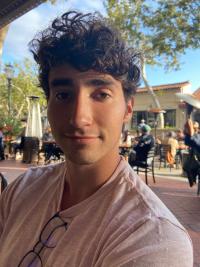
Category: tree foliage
[24,84]
[161,29]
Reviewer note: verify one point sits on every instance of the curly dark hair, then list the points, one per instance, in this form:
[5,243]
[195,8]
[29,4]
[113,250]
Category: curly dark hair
[86,41]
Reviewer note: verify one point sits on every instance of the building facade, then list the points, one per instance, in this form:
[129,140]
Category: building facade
[175,113]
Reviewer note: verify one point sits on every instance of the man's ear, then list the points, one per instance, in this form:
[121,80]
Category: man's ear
[129,109]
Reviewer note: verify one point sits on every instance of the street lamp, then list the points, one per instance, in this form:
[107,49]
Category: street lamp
[9,72]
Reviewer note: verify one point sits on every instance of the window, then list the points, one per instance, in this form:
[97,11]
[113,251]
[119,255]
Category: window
[137,117]
[142,115]
[169,118]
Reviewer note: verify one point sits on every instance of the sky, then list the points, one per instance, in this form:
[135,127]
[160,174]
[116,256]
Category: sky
[23,29]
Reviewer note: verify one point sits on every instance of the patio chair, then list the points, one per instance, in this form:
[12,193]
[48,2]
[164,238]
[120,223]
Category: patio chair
[147,165]
[54,153]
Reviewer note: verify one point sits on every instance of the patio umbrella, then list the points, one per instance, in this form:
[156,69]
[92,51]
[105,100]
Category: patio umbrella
[34,124]
[190,100]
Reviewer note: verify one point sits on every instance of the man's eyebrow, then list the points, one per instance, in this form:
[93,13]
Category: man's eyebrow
[89,82]
[61,82]
[99,82]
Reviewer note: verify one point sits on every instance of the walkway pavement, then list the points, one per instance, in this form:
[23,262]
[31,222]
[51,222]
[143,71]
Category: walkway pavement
[170,187]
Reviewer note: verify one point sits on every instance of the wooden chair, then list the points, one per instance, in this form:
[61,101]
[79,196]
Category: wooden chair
[4,182]
[147,165]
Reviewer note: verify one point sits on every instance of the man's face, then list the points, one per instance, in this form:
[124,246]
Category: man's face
[86,111]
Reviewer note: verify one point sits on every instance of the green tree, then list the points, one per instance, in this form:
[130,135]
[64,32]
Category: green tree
[24,84]
[161,29]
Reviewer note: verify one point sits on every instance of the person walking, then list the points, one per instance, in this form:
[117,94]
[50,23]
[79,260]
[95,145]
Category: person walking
[191,164]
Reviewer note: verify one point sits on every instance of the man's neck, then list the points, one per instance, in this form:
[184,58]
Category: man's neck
[84,180]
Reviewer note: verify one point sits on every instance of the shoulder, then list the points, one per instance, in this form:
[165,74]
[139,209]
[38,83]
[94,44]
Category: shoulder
[146,232]
[136,194]
[35,178]
[156,242]
[35,174]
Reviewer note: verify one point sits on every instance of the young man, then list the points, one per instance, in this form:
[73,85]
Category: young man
[92,210]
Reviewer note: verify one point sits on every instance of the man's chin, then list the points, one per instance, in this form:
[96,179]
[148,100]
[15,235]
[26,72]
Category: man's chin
[82,162]
[81,159]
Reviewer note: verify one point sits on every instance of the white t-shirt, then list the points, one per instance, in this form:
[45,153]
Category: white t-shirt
[122,224]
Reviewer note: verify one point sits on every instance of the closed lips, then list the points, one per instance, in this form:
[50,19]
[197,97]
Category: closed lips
[82,137]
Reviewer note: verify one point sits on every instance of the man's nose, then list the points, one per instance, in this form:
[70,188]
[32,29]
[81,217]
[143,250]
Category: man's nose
[81,114]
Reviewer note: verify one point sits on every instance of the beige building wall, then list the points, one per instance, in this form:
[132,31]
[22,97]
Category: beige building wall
[167,98]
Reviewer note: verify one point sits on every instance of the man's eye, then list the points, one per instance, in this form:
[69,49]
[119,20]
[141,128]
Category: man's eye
[101,96]
[62,96]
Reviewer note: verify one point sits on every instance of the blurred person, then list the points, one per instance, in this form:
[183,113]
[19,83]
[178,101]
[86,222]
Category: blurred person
[48,144]
[91,210]
[144,143]
[171,140]
[142,123]
[191,164]
[180,137]
[196,127]
[127,139]
[125,144]
[18,143]
[192,135]
[47,135]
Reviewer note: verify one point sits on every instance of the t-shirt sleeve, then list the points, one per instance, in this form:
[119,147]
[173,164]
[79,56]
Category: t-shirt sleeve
[165,245]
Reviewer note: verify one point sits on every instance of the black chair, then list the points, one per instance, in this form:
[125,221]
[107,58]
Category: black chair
[145,166]
[4,182]
[53,153]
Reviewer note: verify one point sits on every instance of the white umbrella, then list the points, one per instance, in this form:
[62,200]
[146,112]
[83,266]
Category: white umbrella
[191,101]
[34,124]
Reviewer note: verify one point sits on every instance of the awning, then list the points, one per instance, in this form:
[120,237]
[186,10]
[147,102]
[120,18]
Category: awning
[12,9]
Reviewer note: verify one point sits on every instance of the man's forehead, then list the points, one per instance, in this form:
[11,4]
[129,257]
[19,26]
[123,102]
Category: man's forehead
[69,72]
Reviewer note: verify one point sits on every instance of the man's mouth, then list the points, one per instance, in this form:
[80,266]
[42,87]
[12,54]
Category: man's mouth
[82,138]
